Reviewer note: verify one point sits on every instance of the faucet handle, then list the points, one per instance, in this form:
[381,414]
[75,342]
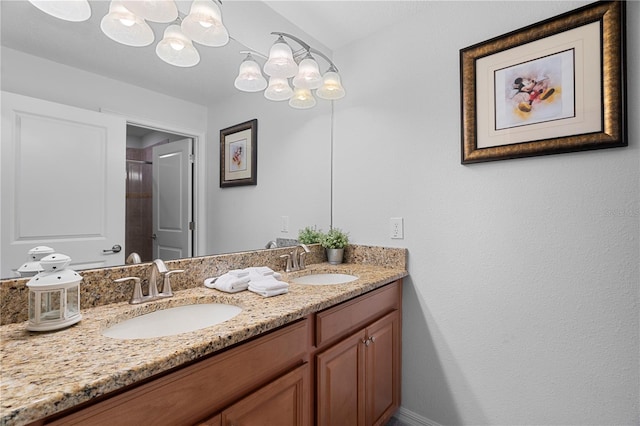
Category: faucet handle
[166,284]
[294,259]
[287,268]
[137,289]
[301,264]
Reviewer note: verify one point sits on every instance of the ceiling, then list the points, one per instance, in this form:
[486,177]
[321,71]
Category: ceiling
[82,45]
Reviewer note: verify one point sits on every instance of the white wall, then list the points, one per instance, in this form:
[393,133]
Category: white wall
[40,78]
[522,301]
[294,173]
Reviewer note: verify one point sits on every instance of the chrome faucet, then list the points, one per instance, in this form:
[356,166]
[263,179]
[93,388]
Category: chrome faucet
[158,268]
[295,260]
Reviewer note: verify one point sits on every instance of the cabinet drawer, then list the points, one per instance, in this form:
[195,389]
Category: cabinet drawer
[338,321]
[196,391]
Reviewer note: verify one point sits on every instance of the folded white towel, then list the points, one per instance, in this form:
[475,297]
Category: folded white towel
[228,283]
[262,270]
[269,293]
[268,283]
[239,273]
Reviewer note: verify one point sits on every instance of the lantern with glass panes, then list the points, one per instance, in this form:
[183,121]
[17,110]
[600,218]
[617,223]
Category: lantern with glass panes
[54,295]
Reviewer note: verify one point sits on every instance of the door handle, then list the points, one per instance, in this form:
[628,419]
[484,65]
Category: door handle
[115,249]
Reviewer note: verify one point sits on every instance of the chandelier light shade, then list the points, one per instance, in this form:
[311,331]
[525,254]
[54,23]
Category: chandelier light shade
[125,27]
[250,78]
[68,10]
[278,90]
[163,11]
[176,48]
[331,88]
[302,99]
[308,76]
[204,24]
[280,62]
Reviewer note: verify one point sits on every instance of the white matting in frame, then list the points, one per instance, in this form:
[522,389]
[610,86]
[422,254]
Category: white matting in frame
[563,62]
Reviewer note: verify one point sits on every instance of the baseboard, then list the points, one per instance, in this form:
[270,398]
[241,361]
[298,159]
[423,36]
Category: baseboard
[410,418]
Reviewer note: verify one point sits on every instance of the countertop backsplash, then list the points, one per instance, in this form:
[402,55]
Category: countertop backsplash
[98,287]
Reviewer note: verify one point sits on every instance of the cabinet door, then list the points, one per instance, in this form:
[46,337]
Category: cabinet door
[340,387]
[283,402]
[383,369]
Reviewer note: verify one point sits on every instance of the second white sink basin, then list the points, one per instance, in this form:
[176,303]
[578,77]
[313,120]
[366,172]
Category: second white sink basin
[324,279]
[172,321]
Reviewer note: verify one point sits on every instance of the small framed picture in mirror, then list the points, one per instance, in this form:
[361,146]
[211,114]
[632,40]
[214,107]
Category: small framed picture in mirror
[239,154]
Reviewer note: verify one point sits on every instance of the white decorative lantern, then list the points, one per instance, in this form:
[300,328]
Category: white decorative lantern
[54,295]
[32,266]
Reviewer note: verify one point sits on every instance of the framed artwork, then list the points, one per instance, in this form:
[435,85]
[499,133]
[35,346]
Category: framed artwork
[239,154]
[552,87]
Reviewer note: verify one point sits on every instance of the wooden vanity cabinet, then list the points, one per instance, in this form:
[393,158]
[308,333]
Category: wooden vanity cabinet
[340,366]
[358,377]
[195,392]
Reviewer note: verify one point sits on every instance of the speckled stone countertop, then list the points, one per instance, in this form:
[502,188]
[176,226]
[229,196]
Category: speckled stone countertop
[44,373]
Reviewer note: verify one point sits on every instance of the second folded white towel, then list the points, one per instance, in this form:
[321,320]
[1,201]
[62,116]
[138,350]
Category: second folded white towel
[268,286]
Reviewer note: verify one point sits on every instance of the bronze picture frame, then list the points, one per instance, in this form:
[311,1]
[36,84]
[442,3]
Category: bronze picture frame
[553,87]
[239,154]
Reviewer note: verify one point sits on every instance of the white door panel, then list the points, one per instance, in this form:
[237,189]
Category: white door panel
[63,182]
[172,206]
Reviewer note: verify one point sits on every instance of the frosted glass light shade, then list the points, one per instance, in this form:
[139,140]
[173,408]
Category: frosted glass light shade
[125,27]
[250,78]
[68,10]
[302,99]
[153,10]
[280,63]
[278,90]
[331,88]
[176,48]
[204,24]
[308,76]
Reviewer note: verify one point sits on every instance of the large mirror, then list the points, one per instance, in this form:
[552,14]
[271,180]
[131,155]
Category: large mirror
[75,64]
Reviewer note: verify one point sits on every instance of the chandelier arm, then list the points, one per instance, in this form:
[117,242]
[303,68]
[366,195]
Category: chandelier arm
[294,38]
[308,48]
[332,66]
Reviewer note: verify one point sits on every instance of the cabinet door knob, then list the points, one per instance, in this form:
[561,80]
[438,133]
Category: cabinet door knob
[372,338]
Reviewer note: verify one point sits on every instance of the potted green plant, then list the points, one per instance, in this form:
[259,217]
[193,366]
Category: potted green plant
[310,235]
[334,242]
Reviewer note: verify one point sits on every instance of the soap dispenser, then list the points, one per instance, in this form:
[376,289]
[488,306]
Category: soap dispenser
[54,295]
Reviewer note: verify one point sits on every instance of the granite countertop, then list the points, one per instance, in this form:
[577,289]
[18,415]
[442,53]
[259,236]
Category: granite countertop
[44,373]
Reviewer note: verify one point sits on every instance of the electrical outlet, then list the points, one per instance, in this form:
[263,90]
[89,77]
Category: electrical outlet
[284,225]
[396,228]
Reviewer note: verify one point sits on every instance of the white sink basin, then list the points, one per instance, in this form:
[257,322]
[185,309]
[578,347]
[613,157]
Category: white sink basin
[324,279]
[172,321]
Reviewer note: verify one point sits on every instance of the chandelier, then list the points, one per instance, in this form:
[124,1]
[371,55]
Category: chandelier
[126,23]
[293,75]
[282,65]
